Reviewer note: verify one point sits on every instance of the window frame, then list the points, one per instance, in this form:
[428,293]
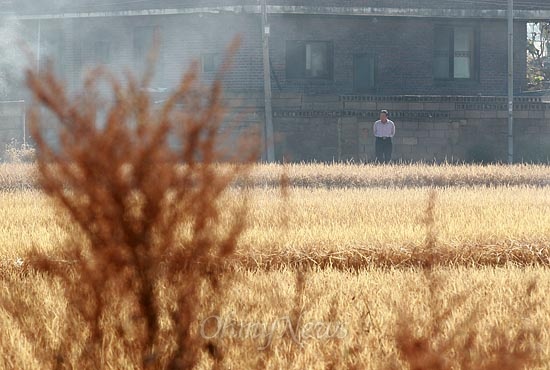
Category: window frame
[141,60]
[214,55]
[102,59]
[143,51]
[438,28]
[302,74]
[375,68]
[53,48]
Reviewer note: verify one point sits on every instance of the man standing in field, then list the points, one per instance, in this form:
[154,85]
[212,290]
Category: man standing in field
[384,130]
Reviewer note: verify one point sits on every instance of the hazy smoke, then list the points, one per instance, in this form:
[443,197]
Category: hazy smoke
[12,59]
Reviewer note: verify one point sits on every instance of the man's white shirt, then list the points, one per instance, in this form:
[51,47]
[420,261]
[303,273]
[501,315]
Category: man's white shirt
[384,129]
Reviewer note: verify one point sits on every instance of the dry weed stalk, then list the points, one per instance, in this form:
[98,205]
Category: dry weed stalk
[435,347]
[130,193]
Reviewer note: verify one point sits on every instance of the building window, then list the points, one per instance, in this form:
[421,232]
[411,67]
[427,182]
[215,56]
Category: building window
[455,53]
[144,39]
[102,52]
[364,73]
[52,49]
[211,62]
[309,59]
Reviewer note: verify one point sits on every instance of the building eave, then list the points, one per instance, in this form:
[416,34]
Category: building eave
[414,12]
[532,15]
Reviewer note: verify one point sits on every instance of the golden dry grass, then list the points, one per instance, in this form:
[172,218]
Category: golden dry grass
[15,176]
[349,175]
[359,309]
[18,176]
[357,231]
[385,225]
[345,227]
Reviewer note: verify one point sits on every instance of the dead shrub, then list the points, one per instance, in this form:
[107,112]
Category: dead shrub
[147,213]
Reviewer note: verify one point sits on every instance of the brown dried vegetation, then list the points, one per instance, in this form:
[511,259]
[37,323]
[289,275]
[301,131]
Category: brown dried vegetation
[126,276]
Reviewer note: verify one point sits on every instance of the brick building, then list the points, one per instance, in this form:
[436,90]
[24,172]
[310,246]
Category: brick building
[439,66]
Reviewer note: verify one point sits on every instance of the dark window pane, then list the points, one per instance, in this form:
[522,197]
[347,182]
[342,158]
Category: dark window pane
[144,38]
[211,62]
[52,49]
[363,73]
[102,52]
[455,53]
[317,60]
[143,41]
[309,59]
[442,51]
[295,59]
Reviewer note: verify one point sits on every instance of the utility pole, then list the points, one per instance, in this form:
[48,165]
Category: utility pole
[24,126]
[510,81]
[268,137]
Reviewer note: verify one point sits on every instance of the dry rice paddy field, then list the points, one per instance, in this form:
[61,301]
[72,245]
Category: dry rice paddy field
[343,249]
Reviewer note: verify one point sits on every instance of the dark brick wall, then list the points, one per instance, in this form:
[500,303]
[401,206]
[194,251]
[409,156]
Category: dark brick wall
[183,39]
[311,120]
[403,50]
[427,128]
[339,128]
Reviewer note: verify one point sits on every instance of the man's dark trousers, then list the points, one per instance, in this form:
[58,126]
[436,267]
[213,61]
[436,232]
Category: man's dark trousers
[383,148]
